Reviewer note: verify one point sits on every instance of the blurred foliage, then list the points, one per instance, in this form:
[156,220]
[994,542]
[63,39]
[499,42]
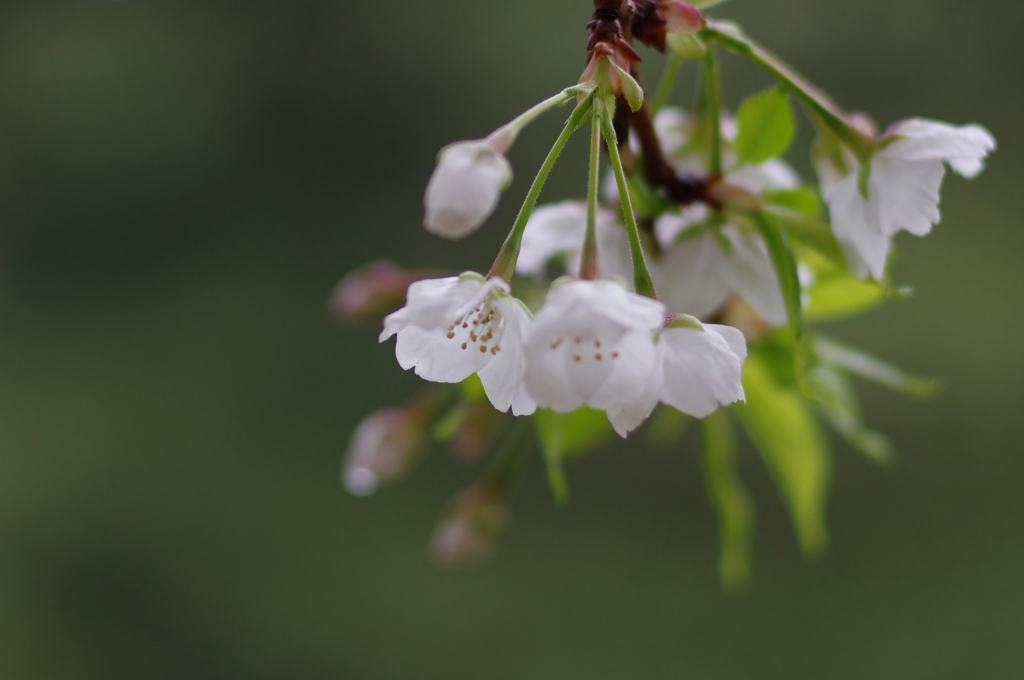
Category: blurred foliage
[182,183]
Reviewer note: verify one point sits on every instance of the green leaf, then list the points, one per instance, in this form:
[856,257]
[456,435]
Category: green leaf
[862,364]
[785,266]
[840,408]
[765,127]
[835,293]
[802,200]
[564,435]
[704,4]
[730,499]
[779,422]
[811,233]
[631,89]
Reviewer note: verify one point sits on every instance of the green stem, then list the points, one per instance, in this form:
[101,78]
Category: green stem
[642,280]
[862,145]
[503,138]
[713,111]
[589,268]
[668,79]
[505,264]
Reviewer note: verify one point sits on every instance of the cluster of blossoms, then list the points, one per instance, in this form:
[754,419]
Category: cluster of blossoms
[687,278]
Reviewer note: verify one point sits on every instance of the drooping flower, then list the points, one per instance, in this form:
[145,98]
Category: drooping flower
[902,185]
[454,327]
[465,187]
[704,262]
[558,229]
[592,342]
[698,368]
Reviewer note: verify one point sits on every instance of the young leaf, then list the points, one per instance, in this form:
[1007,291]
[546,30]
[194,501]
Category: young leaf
[785,266]
[811,232]
[631,89]
[838,405]
[564,435]
[779,423]
[862,364]
[731,501]
[802,200]
[765,127]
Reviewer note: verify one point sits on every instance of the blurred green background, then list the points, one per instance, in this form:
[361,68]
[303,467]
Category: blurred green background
[181,184]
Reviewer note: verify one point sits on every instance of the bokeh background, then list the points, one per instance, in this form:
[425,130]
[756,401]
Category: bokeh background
[181,184]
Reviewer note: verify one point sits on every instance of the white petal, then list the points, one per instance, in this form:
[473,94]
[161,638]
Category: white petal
[769,176]
[503,378]
[700,370]
[632,360]
[904,194]
[431,303]
[964,148]
[552,230]
[591,343]
[465,187]
[627,416]
[750,272]
[436,357]
[865,246]
[691,279]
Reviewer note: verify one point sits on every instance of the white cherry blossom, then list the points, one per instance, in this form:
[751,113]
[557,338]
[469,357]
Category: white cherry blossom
[454,327]
[902,187]
[594,343]
[465,187]
[698,367]
[591,343]
[558,229]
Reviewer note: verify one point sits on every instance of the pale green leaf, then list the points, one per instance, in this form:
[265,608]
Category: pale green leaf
[779,422]
[810,232]
[860,363]
[839,407]
[704,4]
[765,126]
[730,499]
[785,266]
[631,89]
[564,435]
[801,200]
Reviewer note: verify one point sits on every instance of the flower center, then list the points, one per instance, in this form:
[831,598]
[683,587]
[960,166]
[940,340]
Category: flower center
[584,349]
[481,328]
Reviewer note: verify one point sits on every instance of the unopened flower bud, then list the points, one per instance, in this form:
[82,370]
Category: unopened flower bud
[384,446]
[469,527]
[371,292]
[465,188]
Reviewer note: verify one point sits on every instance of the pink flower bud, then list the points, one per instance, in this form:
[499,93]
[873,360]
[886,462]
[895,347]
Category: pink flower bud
[469,528]
[681,17]
[384,446]
[371,292]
